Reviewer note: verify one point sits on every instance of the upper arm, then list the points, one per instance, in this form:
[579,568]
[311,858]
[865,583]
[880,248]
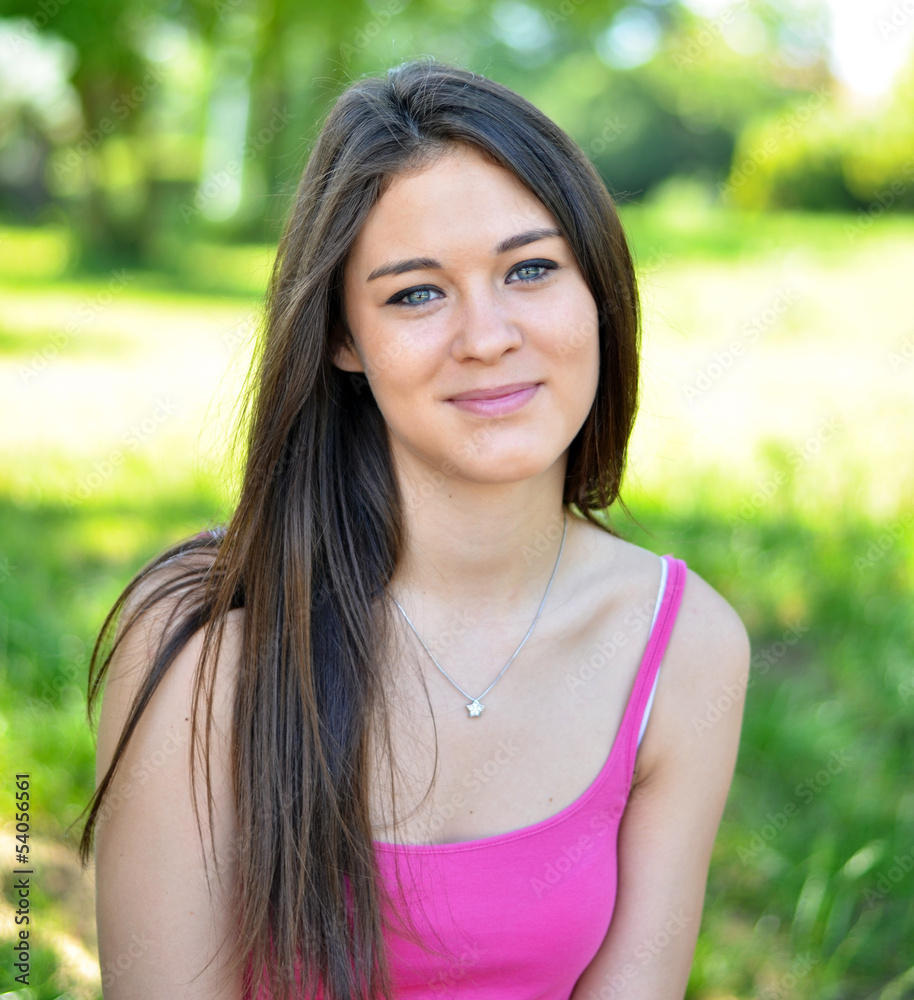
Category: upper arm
[158,921]
[685,767]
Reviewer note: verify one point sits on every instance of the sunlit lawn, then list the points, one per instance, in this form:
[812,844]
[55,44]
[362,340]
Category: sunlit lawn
[773,453]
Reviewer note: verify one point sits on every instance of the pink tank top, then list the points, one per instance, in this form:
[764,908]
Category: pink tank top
[522,914]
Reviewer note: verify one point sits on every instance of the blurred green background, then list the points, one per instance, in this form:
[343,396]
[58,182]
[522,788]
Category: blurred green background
[762,153]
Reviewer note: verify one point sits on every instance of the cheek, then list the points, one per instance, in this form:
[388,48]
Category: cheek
[389,356]
[399,372]
[575,342]
[576,360]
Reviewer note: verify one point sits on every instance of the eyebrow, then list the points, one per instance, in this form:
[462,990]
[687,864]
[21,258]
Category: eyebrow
[421,263]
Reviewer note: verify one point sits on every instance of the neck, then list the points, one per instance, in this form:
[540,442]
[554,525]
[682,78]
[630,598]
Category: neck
[486,549]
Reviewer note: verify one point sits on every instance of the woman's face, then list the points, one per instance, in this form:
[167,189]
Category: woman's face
[459,286]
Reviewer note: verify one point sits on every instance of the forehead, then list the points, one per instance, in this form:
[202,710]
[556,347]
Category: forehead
[459,200]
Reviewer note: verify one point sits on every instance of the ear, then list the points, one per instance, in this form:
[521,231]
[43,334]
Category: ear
[345,355]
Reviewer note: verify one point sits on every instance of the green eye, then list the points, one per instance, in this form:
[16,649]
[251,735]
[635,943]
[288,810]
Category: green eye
[405,297]
[543,266]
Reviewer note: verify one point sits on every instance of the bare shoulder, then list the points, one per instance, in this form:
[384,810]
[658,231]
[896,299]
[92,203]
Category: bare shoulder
[708,630]
[620,573]
[683,772]
[712,642]
[158,596]
[149,614]
[154,874]
[706,665]
[708,652]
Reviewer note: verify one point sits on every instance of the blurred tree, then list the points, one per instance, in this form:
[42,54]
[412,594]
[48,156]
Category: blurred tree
[108,75]
[191,119]
[114,176]
[825,154]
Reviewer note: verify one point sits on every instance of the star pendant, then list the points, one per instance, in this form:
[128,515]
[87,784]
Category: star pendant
[475,708]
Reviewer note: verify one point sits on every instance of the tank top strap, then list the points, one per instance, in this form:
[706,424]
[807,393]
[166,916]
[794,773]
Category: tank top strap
[634,721]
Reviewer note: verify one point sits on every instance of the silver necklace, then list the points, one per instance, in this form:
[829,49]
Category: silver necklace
[475,707]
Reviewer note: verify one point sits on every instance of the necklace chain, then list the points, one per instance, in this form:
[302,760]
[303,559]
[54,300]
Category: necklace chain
[475,707]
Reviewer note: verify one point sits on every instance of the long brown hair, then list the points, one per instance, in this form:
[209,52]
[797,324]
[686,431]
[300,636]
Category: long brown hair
[317,530]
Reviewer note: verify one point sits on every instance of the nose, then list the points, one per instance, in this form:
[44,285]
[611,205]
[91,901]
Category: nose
[485,331]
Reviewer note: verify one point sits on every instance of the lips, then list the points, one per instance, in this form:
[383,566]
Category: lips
[494,393]
[496,401]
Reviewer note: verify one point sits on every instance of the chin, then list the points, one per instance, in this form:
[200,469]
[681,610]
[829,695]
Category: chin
[504,469]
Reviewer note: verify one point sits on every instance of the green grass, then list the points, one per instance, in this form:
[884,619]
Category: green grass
[810,538]
[682,220]
[820,804]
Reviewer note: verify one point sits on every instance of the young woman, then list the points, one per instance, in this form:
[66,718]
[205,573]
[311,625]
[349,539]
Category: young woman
[416,722]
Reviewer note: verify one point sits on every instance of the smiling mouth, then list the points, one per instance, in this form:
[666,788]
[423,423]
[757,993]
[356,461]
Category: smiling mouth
[497,401]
